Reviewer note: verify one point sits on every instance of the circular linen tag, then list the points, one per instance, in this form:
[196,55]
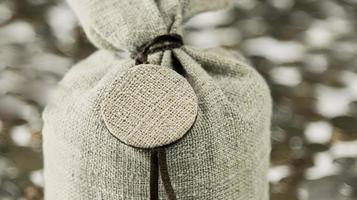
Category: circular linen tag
[149,106]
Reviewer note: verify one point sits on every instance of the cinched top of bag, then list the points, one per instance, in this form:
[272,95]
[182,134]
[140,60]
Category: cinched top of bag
[128,24]
[148,106]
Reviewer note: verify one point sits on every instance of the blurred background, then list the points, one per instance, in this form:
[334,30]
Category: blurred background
[305,49]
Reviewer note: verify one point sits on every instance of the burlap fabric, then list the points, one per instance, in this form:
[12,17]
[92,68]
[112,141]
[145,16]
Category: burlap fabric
[149,106]
[224,155]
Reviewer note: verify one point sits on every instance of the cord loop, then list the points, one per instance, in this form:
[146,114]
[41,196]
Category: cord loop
[160,43]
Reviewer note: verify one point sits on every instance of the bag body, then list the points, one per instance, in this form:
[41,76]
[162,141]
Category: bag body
[223,153]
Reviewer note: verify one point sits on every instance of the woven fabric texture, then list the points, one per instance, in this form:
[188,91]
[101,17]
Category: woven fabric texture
[149,106]
[127,24]
[223,156]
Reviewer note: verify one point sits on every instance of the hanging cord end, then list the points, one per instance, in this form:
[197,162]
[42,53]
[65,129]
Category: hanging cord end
[159,168]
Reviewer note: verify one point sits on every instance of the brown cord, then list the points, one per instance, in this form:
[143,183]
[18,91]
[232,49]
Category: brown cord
[160,43]
[165,177]
[158,156]
[158,161]
[154,174]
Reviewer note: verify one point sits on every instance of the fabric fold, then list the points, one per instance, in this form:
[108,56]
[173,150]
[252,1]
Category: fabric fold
[127,24]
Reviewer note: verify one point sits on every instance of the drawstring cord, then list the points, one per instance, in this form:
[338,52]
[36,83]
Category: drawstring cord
[154,176]
[159,168]
[160,43]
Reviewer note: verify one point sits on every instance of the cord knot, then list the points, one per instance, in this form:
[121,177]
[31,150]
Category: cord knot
[159,43]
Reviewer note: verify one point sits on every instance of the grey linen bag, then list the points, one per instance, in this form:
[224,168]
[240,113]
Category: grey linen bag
[175,122]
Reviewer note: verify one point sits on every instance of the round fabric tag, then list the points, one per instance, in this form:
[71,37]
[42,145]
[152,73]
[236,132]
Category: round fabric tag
[149,106]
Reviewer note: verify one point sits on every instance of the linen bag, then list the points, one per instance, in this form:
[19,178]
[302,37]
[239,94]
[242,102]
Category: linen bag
[173,122]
